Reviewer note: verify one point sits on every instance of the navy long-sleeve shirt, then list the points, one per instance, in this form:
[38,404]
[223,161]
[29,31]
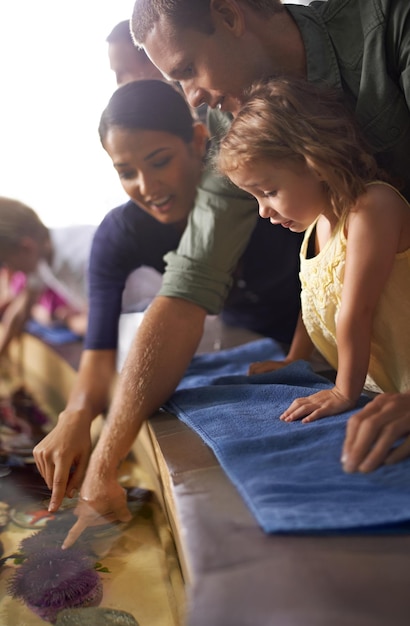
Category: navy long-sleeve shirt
[262,299]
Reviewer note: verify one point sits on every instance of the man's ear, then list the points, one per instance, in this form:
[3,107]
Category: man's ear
[200,139]
[229,14]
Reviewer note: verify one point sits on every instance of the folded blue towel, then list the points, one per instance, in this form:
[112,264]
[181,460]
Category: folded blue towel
[206,368]
[289,474]
[54,335]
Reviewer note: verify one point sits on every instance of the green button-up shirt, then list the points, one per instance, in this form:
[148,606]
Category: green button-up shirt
[363,47]
[360,46]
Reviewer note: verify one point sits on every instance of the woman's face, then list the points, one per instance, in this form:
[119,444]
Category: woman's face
[158,170]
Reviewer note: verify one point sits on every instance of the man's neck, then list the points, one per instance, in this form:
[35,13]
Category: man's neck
[282,42]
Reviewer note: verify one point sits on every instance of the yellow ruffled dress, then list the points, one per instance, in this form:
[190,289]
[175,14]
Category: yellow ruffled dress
[322,280]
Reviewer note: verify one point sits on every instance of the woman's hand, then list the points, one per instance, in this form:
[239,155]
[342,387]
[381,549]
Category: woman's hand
[62,456]
[378,434]
[318,405]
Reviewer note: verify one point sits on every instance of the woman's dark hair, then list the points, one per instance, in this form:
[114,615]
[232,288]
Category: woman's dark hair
[148,105]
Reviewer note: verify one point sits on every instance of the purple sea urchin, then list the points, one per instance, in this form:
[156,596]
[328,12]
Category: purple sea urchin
[56,579]
[39,541]
[51,536]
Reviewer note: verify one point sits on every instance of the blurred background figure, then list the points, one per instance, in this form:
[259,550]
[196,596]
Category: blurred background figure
[44,272]
[131,63]
[126,60]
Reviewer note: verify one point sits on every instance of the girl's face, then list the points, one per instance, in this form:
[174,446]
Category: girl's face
[158,170]
[289,194]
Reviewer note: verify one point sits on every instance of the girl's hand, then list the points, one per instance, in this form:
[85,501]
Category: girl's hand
[314,407]
[261,367]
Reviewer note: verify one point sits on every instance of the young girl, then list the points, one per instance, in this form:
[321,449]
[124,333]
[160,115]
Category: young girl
[296,148]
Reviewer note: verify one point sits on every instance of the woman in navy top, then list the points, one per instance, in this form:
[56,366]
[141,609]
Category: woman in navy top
[158,150]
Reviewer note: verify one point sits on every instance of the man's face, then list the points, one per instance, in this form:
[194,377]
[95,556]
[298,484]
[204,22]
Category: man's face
[129,64]
[214,69]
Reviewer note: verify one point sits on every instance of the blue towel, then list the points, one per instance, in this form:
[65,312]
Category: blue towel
[54,335]
[206,368]
[289,474]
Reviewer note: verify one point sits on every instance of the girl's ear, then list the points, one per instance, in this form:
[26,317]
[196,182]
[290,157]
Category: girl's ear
[200,139]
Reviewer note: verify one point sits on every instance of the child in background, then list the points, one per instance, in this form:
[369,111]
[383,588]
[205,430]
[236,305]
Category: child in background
[49,309]
[295,147]
[47,268]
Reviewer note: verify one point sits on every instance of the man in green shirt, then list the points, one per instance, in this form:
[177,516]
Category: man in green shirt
[215,49]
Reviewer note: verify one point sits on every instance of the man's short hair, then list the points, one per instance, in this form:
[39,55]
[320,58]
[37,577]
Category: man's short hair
[195,14]
[120,33]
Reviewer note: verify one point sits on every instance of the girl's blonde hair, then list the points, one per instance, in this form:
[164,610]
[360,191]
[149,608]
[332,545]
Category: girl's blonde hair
[17,220]
[297,121]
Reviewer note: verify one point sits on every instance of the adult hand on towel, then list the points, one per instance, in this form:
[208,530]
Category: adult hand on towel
[378,434]
[322,404]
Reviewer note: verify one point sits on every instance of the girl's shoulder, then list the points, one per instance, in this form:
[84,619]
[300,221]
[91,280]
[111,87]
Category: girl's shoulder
[383,209]
[379,192]
[380,198]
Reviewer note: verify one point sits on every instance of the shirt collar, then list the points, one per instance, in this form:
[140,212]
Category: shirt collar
[322,65]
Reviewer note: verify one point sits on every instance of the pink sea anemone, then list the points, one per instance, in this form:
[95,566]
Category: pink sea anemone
[56,579]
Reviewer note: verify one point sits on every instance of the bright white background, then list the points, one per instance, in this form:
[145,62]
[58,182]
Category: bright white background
[54,84]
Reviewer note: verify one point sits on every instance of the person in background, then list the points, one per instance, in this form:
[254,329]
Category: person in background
[126,60]
[294,146]
[47,269]
[129,62]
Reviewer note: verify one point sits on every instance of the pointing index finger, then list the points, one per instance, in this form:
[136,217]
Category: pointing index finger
[74,532]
